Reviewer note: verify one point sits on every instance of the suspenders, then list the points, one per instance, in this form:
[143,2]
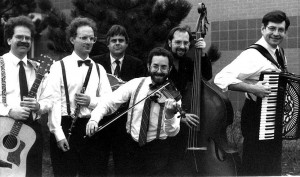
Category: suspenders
[66,85]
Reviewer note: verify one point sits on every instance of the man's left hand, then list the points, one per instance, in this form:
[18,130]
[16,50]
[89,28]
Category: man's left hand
[82,99]
[200,43]
[30,103]
[170,108]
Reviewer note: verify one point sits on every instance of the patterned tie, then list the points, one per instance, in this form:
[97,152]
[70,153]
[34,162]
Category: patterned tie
[145,122]
[22,81]
[117,70]
[279,59]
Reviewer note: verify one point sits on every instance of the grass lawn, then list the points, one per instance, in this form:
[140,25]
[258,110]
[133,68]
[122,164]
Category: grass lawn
[290,155]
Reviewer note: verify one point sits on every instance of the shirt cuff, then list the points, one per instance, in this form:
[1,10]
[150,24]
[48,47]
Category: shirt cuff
[59,134]
[5,111]
[93,103]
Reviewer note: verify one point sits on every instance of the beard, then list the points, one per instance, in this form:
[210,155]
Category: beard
[179,52]
[159,78]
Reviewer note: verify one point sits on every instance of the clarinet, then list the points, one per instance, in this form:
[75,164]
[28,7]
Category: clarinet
[77,109]
[75,116]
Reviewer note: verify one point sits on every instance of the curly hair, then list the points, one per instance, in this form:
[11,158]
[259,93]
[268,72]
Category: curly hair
[9,28]
[78,22]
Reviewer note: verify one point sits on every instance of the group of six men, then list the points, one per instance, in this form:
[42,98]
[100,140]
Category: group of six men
[139,143]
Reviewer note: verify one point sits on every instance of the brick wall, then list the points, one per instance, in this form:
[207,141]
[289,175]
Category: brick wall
[235,24]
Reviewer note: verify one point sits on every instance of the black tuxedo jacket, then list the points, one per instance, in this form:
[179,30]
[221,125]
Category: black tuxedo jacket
[131,67]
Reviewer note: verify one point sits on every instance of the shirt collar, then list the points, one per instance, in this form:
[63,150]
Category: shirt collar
[75,57]
[112,59]
[15,60]
[264,43]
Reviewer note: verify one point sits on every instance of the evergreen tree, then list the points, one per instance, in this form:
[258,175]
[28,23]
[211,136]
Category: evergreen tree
[12,8]
[147,21]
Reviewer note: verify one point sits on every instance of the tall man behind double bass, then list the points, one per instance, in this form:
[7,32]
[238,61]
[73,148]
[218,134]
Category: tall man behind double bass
[190,77]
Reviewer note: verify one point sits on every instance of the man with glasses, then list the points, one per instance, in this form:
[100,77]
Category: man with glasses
[71,153]
[126,67]
[179,42]
[150,122]
[18,74]
[242,75]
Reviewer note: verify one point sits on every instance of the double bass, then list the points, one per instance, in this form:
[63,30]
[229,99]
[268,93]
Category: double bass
[207,151]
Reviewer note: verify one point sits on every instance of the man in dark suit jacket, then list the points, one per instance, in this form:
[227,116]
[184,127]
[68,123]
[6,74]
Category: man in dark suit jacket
[114,137]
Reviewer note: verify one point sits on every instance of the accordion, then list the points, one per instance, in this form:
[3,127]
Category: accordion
[279,114]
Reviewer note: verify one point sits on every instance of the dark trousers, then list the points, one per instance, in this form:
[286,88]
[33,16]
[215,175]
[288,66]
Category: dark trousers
[83,158]
[115,139]
[35,154]
[260,158]
[150,159]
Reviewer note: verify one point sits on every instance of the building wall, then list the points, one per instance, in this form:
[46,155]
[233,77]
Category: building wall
[235,24]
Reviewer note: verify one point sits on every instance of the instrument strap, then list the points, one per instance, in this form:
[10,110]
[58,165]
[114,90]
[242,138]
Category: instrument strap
[3,80]
[134,99]
[268,56]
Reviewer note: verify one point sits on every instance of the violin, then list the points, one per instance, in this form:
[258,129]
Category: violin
[114,81]
[159,95]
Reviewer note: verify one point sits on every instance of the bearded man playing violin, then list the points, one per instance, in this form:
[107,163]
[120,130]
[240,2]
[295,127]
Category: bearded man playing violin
[149,146]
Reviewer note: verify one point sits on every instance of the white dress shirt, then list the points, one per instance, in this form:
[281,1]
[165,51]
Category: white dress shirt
[169,127]
[75,77]
[13,97]
[247,67]
[113,64]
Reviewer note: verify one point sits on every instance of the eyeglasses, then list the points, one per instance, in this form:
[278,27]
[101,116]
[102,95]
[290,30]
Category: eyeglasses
[157,67]
[115,40]
[22,37]
[88,38]
[274,29]
[179,43]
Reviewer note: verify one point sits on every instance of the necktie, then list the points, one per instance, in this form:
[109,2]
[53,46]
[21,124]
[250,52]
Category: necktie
[117,70]
[22,81]
[24,87]
[86,62]
[145,122]
[279,59]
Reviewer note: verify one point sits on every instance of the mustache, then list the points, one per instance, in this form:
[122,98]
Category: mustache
[25,44]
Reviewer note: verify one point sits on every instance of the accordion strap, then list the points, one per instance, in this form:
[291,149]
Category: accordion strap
[268,56]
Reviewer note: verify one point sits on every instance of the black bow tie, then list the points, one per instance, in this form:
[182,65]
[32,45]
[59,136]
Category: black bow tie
[86,62]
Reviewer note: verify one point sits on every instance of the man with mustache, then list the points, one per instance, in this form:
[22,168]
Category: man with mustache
[242,74]
[71,153]
[149,123]
[126,67]
[20,74]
